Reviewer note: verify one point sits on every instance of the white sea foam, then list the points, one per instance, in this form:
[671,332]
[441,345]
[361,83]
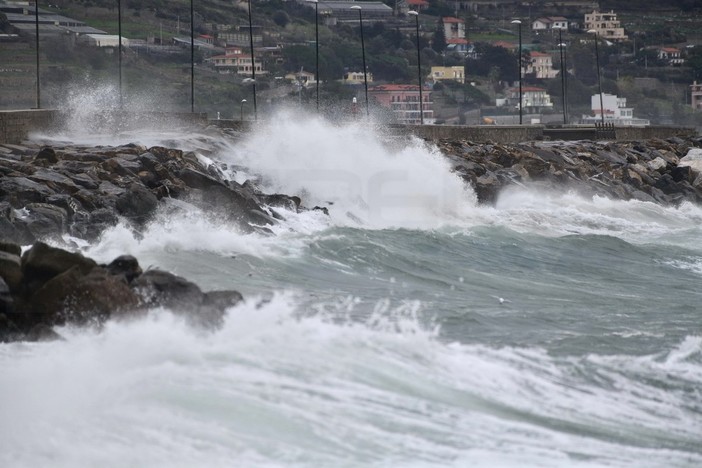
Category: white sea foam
[280,387]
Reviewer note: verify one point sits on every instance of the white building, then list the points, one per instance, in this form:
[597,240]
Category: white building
[549,23]
[615,111]
[104,40]
[540,65]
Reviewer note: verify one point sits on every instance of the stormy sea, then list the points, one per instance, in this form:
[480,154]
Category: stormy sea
[408,327]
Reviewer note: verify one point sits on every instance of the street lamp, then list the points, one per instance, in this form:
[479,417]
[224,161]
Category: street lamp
[363,53]
[564,69]
[192,57]
[119,49]
[253,63]
[241,110]
[419,68]
[562,46]
[519,63]
[316,43]
[36,25]
[599,78]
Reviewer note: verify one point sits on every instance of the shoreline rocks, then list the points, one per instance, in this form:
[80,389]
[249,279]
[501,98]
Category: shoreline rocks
[660,171]
[47,192]
[47,287]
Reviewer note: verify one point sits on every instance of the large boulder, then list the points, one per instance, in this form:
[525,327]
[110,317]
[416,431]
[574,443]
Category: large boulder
[43,262]
[137,203]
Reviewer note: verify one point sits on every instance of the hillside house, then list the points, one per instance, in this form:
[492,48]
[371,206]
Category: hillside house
[696,95]
[454,28]
[534,99]
[404,102]
[355,78]
[456,74]
[671,55]
[236,61]
[540,66]
[549,23]
[606,24]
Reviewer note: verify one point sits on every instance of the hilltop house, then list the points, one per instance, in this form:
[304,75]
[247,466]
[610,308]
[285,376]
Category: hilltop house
[615,111]
[403,100]
[606,24]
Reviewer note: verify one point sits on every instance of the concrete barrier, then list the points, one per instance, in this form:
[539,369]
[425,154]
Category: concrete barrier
[16,125]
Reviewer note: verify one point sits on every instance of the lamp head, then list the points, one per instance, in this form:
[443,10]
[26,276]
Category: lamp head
[413,13]
[355,7]
[243,101]
[592,31]
[516,22]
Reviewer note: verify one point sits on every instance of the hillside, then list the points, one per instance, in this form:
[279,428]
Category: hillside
[156,74]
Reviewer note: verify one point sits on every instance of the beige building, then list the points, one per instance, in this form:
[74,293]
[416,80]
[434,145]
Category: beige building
[541,66]
[448,73]
[353,78]
[235,61]
[696,95]
[606,24]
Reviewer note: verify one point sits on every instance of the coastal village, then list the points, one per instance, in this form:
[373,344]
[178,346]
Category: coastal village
[479,62]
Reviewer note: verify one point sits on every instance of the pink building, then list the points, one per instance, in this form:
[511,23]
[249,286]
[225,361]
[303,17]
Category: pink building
[403,100]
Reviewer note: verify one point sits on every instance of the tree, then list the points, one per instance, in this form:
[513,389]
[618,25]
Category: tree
[280,18]
[438,42]
[492,57]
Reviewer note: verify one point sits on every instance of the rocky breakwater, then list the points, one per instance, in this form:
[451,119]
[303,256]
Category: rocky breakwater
[46,192]
[45,287]
[661,171]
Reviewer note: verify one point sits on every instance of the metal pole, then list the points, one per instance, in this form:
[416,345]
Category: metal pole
[599,78]
[241,110]
[563,92]
[419,69]
[119,49]
[192,57]
[565,79]
[363,54]
[519,64]
[253,63]
[36,24]
[316,42]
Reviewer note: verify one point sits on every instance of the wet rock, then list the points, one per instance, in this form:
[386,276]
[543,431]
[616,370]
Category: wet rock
[126,267]
[47,154]
[137,204]
[161,288]
[43,262]
[11,269]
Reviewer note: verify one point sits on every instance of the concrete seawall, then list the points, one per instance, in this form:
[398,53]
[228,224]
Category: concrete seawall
[16,125]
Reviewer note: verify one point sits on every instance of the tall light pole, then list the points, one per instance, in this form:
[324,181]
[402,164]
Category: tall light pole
[36,26]
[599,77]
[419,68]
[363,53]
[241,110]
[119,49]
[561,48]
[564,93]
[519,64]
[253,63]
[192,57]
[316,43]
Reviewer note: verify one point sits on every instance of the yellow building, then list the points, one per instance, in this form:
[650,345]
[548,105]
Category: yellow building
[448,73]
